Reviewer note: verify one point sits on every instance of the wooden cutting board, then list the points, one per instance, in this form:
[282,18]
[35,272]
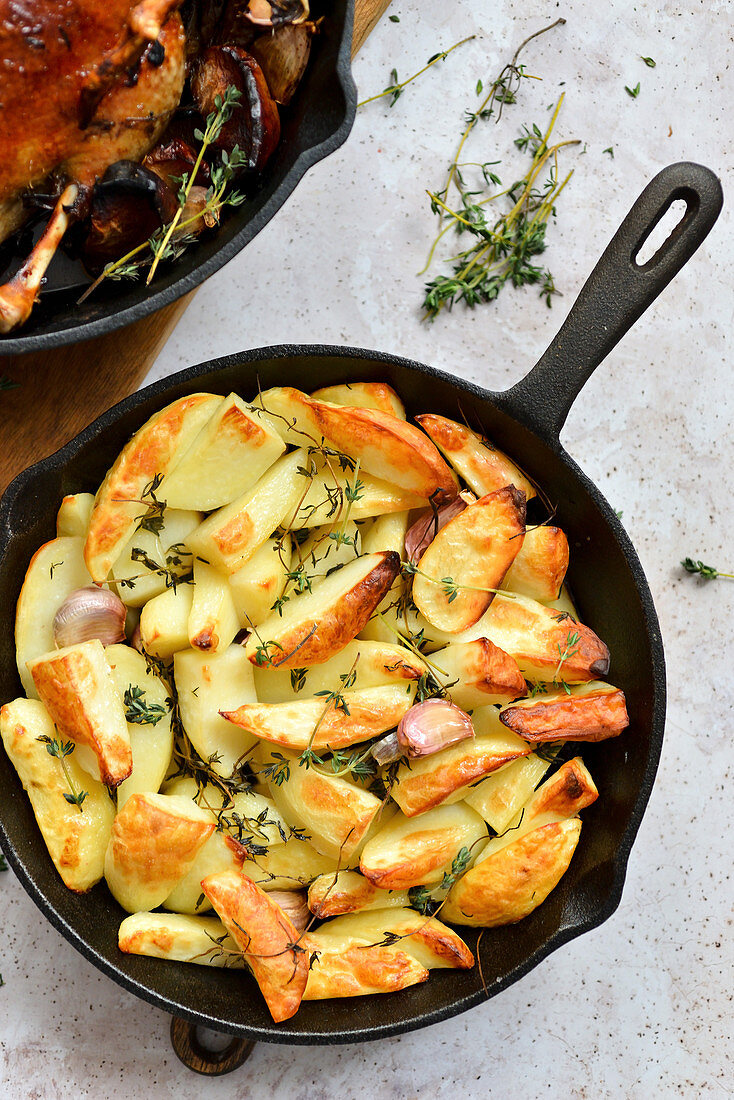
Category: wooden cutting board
[59,392]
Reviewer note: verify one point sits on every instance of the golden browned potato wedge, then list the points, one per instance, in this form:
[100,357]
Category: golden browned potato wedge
[330,488]
[56,570]
[148,561]
[204,683]
[76,841]
[266,937]
[589,712]
[148,713]
[482,466]
[341,892]
[539,568]
[152,451]
[445,776]
[358,970]
[564,603]
[410,852]
[155,839]
[288,866]
[502,794]
[547,644]
[479,673]
[386,447]
[517,870]
[514,881]
[261,580]
[335,813]
[320,623]
[164,622]
[365,395]
[219,853]
[250,818]
[213,620]
[181,938]
[429,941]
[368,712]
[74,515]
[77,688]
[468,559]
[372,664]
[230,453]
[386,533]
[228,538]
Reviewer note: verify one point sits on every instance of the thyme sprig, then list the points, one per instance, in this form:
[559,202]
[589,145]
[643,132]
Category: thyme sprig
[570,649]
[162,245]
[451,588]
[138,711]
[395,89]
[707,572]
[60,749]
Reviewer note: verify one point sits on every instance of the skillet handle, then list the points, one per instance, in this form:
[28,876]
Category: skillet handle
[617,292]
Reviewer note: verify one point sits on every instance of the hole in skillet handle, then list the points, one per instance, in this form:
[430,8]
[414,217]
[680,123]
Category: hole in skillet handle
[210,1053]
[663,232]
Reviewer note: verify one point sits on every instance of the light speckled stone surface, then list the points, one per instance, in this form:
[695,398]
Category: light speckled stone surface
[640,1007]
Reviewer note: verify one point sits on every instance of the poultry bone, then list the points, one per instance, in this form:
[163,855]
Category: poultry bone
[81,87]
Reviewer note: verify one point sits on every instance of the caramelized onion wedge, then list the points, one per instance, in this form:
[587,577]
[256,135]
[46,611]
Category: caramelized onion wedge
[128,205]
[254,125]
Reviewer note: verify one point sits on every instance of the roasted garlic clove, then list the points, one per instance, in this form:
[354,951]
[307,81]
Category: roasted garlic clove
[431,726]
[283,56]
[294,904]
[89,613]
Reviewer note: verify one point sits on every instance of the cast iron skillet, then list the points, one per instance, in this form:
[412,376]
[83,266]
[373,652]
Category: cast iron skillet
[316,123]
[605,577]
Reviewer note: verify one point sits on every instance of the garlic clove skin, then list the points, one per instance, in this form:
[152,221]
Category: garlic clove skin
[89,613]
[421,534]
[294,904]
[431,726]
[387,749]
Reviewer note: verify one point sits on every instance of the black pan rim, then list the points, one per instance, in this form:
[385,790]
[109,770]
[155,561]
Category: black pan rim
[157,300]
[565,934]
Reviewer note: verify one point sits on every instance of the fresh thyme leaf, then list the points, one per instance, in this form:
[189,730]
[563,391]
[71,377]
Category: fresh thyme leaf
[633,92]
[279,769]
[708,572]
[140,712]
[610,150]
[649,61]
[394,18]
[54,565]
[421,899]
[60,749]
[298,678]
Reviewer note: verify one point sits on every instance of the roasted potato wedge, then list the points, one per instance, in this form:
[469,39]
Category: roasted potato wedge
[320,623]
[219,853]
[385,533]
[467,560]
[483,467]
[55,571]
[341,892]
[358,969]
[444,777]
[539,568]
[228,538]
[76,841]
[153,450]
[479,673]
[204,683]
[148,561]
[429,941]
[213,620]
[230,453]
[371,664]
[181,938]
[327,496]
[363,395]
[385,446]
[410,852]
[369,712]
[155,839]
[148,725]
[566,792]
[261,580]
[77,688]
[334,812]
[500,796]
[164,622]
[537,637]
[74,515]
[588,712]
[288,866]
[266,937]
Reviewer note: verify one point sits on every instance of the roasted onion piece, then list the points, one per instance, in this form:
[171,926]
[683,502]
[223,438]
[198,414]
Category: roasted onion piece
[283,57]
[128,205]
[254,125]
[174,157]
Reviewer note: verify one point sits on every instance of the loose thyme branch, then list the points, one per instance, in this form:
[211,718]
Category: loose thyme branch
[395,90]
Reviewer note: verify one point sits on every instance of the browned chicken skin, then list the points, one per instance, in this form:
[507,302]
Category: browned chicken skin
[75,97]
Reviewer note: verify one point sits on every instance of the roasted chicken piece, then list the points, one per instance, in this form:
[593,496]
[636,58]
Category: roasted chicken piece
[83,84]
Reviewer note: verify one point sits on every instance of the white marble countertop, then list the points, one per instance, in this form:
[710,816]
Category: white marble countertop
[640,1007]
